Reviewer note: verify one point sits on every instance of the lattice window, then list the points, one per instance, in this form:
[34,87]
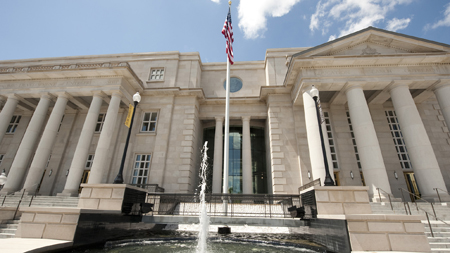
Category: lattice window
[13,124]
[149,122]
[355,148]
[331,141]
[89,161]
[141,169]
[399,142]
[100,121]
[157,74]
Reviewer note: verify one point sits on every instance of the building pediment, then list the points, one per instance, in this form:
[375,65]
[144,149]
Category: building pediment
[374,41]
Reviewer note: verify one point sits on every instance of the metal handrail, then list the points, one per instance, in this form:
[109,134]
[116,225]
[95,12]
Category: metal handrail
[436,189]
[308,185]
[437,219]
[415,202]
[389,196]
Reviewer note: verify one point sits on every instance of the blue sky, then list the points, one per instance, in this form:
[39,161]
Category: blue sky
[53,28]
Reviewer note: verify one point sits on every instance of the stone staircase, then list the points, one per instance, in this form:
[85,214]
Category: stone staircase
[39,201]
[8,228]
[440,243]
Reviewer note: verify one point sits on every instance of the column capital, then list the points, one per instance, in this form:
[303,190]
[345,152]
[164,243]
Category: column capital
[351,86]
[118,94]
[63,95]
[98,93]
[47,95]
[219,119]
[13,96]
[246,118]
[399,83]
[441,84]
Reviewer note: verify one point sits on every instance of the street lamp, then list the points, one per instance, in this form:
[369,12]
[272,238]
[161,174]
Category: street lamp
[315,94]
[119,177]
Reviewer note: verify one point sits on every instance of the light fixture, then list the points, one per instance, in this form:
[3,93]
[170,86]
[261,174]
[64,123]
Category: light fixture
[351,174]
[50,173]
[309,174]
[137,97]
[67,173]
[395,175]
[314,92]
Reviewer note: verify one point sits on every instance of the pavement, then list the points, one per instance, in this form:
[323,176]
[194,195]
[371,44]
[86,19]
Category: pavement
[21,245]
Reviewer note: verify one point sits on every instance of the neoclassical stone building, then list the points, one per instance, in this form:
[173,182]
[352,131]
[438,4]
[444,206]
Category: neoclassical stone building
[385,98]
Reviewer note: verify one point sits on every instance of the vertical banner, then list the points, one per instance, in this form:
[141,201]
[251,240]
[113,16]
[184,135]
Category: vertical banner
[130,114]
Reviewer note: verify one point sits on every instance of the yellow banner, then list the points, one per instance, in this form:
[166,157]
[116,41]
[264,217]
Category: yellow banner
[130,114]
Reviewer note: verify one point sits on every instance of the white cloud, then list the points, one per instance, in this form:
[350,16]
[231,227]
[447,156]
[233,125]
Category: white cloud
[253,14]
[215,1]
[332,37]
[443,22]
[397,24]
[355,14]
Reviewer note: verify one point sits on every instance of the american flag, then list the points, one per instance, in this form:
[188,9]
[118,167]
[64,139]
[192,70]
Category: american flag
[227,31]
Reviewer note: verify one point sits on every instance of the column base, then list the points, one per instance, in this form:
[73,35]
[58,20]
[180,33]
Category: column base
[384,199]
[68,193]
[434,198]
[6,191]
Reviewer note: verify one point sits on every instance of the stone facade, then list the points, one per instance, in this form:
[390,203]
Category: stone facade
[361,77]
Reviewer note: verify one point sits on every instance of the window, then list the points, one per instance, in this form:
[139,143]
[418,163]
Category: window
[397,137]
[1,158]
[353,141]
[100,121]
[89,161]
[13,124]
[157,74]
[140,171]
[60,123]
[149,122]
[333,152]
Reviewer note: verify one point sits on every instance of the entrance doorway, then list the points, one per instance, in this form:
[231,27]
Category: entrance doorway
[412,185]
[84,178]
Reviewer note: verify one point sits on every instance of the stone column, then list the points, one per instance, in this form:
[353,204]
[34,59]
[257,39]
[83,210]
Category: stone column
[420,151]
[313,136]
[218,157]
[247,175]
[372,162]
[82,149]
[45,145]
[6,114]
[103,147]
[442,94]
[27,146]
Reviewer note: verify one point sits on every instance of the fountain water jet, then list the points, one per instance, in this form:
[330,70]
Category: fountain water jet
[203,216]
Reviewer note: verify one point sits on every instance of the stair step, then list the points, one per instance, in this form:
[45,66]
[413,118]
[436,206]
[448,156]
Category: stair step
[440,245]
[5,235]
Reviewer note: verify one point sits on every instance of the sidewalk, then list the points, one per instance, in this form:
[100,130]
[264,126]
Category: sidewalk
[20,245]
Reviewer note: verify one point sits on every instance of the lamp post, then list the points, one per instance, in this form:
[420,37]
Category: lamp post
[119,177]
[315,94]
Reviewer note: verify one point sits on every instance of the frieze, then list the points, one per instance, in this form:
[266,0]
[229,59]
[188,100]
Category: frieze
[420,69]
[59,83]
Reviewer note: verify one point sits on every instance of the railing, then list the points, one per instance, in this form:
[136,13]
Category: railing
[238,205]
[436,189]
[309,185]
[150,187]
[389,196]
[415,202]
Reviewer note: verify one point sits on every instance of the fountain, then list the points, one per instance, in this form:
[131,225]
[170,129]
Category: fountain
[203,216]
[185,243]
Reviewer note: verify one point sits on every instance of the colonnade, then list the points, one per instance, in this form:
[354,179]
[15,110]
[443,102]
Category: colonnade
[420,150]
[30,139]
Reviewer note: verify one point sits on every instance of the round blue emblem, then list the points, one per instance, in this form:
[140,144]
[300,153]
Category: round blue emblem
[235,84]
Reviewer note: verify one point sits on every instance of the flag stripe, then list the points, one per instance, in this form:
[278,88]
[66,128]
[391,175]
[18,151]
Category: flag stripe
[227,31]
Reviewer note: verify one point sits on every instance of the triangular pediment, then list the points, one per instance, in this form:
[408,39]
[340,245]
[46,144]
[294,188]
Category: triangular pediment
[374,41]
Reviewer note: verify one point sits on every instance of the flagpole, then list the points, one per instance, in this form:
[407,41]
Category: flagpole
[227,132]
